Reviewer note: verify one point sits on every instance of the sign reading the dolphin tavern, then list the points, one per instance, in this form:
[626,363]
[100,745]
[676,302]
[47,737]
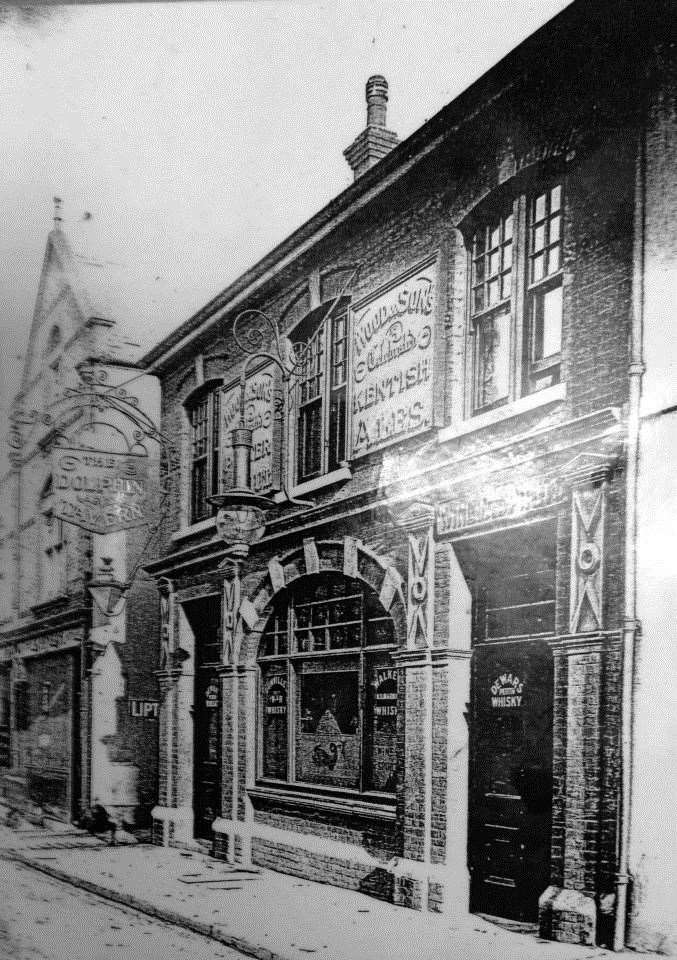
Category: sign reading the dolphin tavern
[391,381]
[102,492]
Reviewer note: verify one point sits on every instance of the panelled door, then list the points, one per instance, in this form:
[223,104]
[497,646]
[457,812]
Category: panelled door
[510,777]
[204,616]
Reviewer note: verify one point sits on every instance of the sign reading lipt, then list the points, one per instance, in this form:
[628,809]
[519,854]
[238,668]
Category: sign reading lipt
[101,492]
[391,381]
[144,709]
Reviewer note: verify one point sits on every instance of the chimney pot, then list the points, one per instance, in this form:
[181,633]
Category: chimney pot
[376,140]
[377,99]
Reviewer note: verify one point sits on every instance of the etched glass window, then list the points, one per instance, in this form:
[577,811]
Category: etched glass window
[328,701]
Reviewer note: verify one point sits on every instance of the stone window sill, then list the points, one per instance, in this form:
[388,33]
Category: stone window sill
[351,804]
[318,483]
[531,402]
[194,529]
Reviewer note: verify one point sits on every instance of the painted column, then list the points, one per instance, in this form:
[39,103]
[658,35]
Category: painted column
[568,908]
[173,818]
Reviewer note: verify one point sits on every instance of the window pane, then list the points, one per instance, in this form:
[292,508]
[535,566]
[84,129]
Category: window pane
[507,228]
[537,268]
[539,207]
[310,441]
[478,241]
[552,321]
[507,256]
[495,236]
[381,725]
[478,271]
[555,224]
[478,301]
[494,263]
[506,284]
[553,260]
[327,729]
[494,292]
[493,360]
[539,238]
[555,198]
[274,718]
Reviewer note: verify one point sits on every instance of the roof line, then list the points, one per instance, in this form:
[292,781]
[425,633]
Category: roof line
[526,57]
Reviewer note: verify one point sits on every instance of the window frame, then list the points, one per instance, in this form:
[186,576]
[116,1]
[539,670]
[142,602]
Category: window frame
[293,665]
[527,373]
[320,384]
[207,397]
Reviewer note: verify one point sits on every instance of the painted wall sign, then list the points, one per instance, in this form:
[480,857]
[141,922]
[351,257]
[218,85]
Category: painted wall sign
[391,369]
[385,697]
[144,709]
[102,492]
[259,416]
[212,696]
[276,697]
[506,691]
[505,502]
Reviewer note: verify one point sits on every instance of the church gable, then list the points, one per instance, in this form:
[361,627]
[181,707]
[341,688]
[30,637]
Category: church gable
[60,309]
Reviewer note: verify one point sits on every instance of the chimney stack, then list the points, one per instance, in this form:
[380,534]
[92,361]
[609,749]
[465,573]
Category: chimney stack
[375,141]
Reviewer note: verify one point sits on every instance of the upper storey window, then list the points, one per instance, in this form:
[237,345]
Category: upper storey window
[204,413]
[545,287]
[516,298]
[321,383]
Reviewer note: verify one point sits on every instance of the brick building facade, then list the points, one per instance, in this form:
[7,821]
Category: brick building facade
[422,681]
[71,668]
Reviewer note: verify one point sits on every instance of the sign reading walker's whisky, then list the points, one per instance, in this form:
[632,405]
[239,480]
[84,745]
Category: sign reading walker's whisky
[259,416]
[102,492]
[391,382]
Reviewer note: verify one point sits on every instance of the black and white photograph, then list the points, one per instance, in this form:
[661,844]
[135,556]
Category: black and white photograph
[338,422]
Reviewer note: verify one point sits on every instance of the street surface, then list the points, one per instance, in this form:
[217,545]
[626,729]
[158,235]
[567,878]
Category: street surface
[44,919]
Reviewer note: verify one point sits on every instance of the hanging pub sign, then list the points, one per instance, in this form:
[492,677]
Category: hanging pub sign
[391,368]
[259,417]
[103,492]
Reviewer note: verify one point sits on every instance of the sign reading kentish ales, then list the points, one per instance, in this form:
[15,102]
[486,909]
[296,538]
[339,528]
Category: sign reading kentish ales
[102,492]
[391,378]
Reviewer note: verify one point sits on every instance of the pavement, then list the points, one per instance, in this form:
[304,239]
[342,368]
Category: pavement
[268,915]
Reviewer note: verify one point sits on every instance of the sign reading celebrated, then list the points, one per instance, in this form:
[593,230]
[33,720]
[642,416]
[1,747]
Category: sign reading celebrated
[259,417]
[102,492]
[391,381]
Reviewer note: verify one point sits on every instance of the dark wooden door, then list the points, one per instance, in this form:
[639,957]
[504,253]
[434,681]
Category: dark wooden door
[207,794]
[204,617]
[511,778]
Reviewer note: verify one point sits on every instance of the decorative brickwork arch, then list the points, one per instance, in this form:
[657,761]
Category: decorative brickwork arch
[349,557]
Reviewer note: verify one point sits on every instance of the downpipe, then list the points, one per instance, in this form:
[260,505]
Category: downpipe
[631,631]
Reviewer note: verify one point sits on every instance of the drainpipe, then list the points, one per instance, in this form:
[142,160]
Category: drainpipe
[631,633]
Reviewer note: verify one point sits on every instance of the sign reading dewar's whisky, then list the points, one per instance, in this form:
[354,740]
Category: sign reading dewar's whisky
[391,378]
[259,416]
[102,492]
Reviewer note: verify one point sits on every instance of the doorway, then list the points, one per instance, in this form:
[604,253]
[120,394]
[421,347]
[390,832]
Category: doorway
[510,777]
[204,617]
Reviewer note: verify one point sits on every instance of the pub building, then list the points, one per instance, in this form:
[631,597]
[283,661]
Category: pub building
[410,672]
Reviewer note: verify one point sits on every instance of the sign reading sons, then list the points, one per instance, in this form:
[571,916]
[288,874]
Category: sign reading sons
[391,388]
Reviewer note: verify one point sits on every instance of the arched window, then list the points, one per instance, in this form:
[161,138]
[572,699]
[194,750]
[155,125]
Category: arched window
[328,692]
